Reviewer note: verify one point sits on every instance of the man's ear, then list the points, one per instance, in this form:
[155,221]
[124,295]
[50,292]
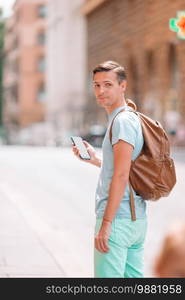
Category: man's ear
[123,85]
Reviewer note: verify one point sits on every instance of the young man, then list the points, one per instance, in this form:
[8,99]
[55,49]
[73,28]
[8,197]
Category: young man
[118,240]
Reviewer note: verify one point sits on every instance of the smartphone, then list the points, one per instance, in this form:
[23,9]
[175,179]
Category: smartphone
[78,142]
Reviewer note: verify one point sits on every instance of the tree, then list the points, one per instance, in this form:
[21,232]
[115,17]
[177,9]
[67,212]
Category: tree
[1,63]
[2,29]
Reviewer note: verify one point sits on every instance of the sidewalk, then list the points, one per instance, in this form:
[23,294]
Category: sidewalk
[30,247]
[34,259]
[178,153]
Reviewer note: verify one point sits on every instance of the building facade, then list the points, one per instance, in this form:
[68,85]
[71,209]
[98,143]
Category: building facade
[66,69]
[136,33]
[24,70]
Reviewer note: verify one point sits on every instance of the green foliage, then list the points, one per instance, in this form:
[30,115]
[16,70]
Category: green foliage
[2,29]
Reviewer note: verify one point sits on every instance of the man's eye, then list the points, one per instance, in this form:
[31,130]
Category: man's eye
[108,84]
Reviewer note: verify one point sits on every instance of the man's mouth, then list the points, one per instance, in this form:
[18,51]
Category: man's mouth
[101,98]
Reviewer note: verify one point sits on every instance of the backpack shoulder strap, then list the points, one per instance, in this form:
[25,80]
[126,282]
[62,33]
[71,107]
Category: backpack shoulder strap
[110,130]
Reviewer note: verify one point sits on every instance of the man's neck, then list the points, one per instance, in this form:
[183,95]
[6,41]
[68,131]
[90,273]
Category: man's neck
[110,109]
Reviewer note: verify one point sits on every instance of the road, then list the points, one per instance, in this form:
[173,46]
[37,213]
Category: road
[47,213]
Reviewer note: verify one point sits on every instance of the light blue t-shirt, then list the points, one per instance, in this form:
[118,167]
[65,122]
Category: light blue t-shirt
[126,127]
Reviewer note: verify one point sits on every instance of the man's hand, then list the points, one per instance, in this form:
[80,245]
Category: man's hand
[94,159]
[101,239]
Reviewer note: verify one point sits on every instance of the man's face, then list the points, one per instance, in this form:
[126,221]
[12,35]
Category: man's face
[107,89]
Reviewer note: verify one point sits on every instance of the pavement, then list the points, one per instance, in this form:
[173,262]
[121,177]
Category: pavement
[34,238]
[23,251]
[44,230]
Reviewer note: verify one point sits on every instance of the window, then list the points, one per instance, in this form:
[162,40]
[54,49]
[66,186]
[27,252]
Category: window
[14,93]
[134,80]
[41,94]
[15,66]
[174,78]
[41,64]
[16,42]
[150,63]
[42,11]
[173,67]
[41,38]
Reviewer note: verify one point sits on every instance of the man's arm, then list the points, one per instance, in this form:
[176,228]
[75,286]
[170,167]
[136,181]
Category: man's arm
[122,160]
[97,162]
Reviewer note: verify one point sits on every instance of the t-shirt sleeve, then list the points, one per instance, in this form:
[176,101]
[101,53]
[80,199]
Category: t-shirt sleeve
[125,128]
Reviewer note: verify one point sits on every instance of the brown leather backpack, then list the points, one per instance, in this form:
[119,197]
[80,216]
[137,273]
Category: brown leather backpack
[152,173]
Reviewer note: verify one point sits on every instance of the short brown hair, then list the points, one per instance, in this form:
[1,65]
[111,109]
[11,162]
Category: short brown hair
[111,66]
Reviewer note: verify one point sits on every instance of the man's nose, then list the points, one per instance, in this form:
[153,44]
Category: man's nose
[101,90]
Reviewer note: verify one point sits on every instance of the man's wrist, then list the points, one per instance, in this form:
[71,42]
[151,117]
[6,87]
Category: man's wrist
[97,162]
[107,220]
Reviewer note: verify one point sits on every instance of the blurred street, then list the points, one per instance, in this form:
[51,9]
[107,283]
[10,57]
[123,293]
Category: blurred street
[47,213]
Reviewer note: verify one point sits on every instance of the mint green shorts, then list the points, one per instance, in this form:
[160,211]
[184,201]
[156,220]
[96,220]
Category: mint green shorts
[125,256]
